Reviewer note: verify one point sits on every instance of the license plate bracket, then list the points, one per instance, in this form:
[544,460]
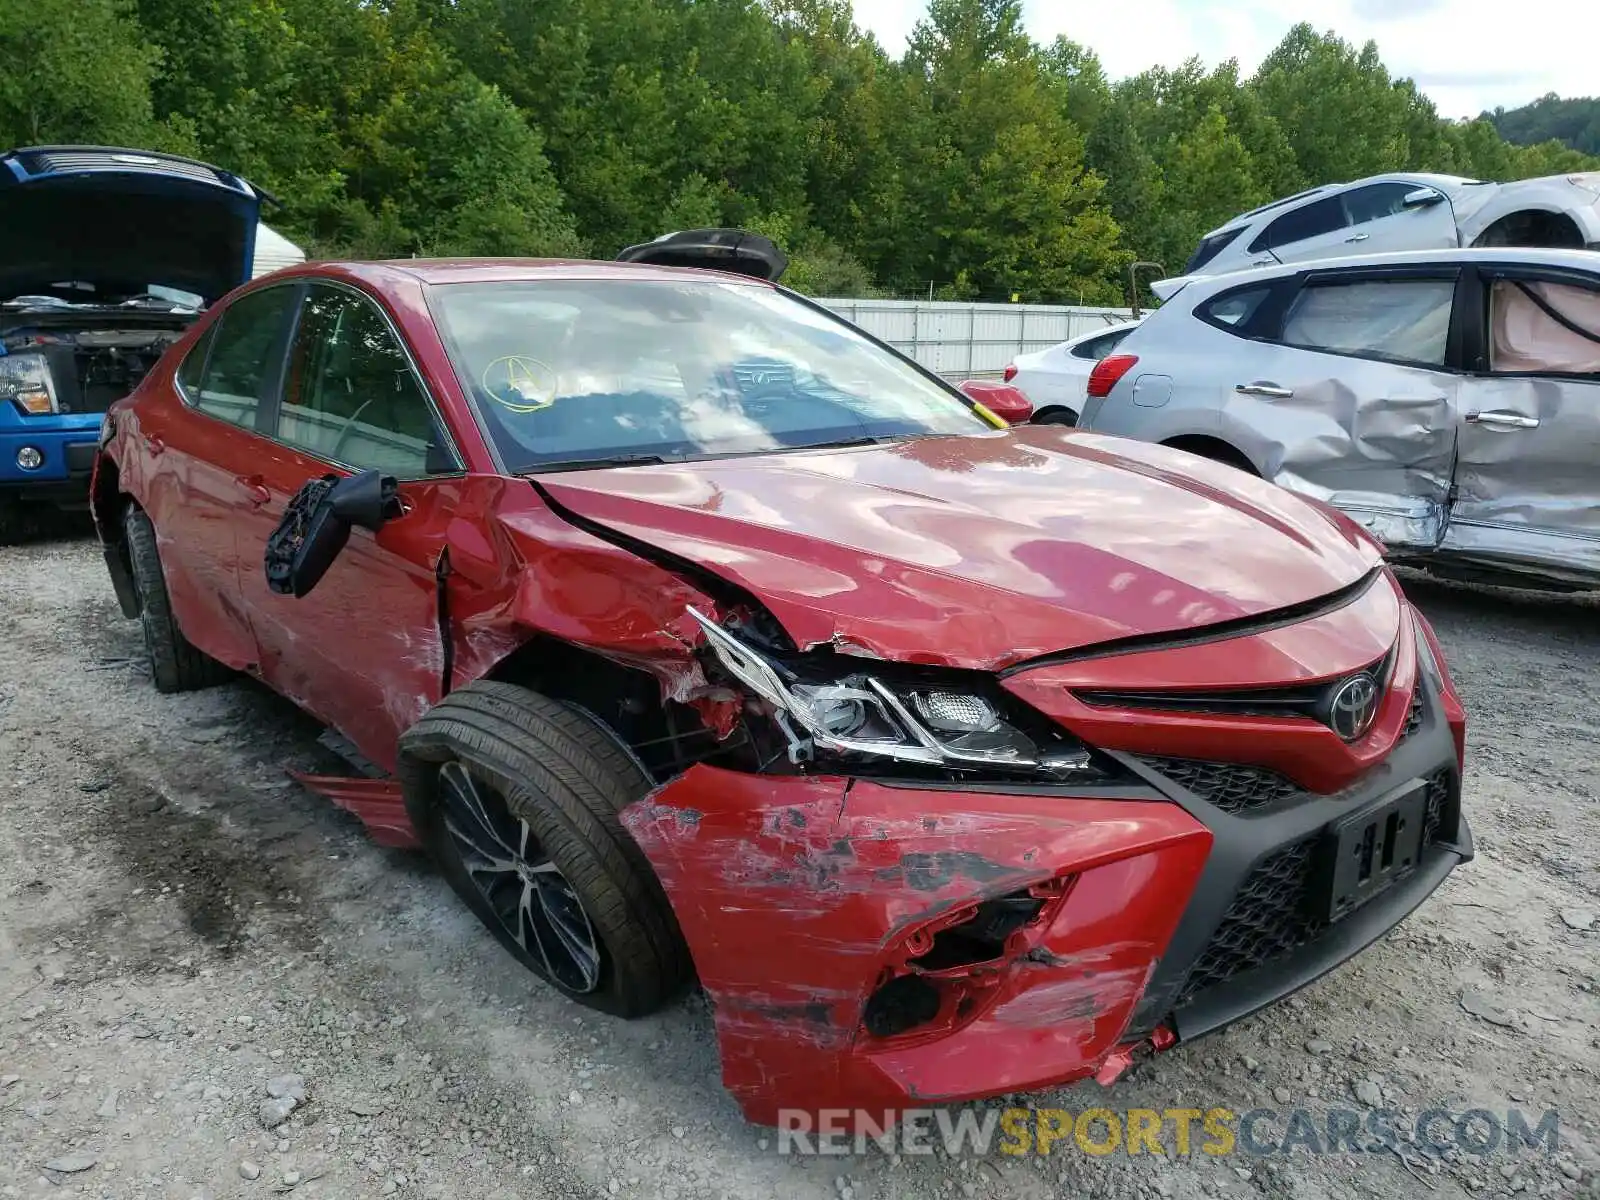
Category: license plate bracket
[1373,848]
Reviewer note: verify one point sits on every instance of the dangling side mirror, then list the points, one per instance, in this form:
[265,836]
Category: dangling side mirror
[316,525]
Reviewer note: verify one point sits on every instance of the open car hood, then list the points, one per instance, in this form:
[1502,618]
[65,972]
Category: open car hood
[736,250]
[121,220]
[981,551]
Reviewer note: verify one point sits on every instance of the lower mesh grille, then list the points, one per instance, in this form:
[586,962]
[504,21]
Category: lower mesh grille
[1274,912]
[1232,787]
[1419,710]
[1267,919]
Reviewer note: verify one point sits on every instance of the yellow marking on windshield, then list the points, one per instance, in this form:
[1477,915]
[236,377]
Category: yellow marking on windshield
[520,384]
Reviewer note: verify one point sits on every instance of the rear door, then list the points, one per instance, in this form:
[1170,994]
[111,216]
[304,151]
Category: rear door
[1350,395]
[363,650]
[205,481]
[1528,470]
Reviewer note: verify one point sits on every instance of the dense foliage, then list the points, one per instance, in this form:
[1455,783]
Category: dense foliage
[1574,123]
[978,164]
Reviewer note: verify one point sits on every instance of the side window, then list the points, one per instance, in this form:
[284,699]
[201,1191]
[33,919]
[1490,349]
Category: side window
[1232,309]
[1405,320]
[1538,328]
[1098,348]
[240,363]
[1315,219]
[194,363]
[350,395]
[1376,201]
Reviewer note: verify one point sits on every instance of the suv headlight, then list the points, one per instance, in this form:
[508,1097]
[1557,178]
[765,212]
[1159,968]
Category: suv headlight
[25,381]
[863,714]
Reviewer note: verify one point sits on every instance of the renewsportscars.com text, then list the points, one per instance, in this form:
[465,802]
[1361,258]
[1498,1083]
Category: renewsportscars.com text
[1176,1132]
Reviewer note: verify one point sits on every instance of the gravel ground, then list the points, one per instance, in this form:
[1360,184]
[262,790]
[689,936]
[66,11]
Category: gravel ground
[188,942]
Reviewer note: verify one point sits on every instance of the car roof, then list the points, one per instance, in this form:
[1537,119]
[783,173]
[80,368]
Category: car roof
[1582,260]
[507,270]
[1327,189]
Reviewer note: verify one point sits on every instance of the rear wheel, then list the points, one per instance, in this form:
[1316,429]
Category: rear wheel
[523,795]
[1056,416]
[175,664]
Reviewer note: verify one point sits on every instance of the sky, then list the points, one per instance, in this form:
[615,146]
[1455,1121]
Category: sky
[1467,55]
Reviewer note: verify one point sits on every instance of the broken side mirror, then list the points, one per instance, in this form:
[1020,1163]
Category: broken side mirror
[1423,197]
[1004,400]
[316,525]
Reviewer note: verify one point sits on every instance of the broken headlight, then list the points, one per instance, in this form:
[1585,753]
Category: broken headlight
[863,714]
[25,381]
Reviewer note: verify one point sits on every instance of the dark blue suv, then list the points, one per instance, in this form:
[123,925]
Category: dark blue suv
[108,256]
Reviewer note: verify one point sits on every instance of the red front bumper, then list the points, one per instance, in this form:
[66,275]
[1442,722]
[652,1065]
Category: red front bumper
[801,898]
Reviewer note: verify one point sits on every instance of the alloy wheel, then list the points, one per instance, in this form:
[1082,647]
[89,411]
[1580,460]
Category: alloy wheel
[525,890]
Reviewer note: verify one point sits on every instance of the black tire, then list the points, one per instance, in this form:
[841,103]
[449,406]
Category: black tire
[1057,416]
[560,779]
[175,664]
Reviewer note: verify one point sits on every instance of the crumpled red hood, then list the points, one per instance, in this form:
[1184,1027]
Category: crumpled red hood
[982,551]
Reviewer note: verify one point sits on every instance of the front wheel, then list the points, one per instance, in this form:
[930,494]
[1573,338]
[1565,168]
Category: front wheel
[523,795]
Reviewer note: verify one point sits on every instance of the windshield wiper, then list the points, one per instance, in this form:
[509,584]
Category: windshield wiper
[592,464]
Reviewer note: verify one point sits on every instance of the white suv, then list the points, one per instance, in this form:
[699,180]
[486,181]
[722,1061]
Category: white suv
[1409,211]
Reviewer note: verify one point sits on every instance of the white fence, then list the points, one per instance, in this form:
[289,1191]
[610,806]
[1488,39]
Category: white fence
[962,340]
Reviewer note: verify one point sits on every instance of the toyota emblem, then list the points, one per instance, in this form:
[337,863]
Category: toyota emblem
[1353,707]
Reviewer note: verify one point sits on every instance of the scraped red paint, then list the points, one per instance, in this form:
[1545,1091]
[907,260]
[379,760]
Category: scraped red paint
[798,897]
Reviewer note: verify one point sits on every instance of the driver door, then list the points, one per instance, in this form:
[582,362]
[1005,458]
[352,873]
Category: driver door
[1529,438]
[362,651]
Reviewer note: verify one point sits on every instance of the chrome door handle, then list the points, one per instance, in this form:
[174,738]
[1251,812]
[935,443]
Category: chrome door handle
[1358,237]
[1503,420]
[1270,390]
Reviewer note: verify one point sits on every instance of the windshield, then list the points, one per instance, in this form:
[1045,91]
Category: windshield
[570,372]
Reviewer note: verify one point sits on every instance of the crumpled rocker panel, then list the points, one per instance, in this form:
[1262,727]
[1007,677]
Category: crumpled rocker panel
[799,896]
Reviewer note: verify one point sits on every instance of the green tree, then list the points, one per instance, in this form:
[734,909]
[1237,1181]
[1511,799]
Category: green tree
[76,71]
[997,194]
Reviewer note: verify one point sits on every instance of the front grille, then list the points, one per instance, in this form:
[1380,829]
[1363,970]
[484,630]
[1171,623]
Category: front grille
[1274,911]
[1240,788]
[1232,787]
[1269,917]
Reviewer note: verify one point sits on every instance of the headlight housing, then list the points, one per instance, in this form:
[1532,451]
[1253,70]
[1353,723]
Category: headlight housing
[864,714]
[25,381]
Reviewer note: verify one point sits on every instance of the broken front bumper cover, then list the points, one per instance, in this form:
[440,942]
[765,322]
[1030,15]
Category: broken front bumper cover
[872,945]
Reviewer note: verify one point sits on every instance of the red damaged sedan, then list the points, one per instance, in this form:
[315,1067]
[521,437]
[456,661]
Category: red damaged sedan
[695,633]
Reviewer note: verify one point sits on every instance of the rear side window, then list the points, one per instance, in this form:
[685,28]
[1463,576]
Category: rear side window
[194,363]
[1209,248]
[1315,219]
[1097,348]
[1234,309]
[243,355]
[1402,320]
